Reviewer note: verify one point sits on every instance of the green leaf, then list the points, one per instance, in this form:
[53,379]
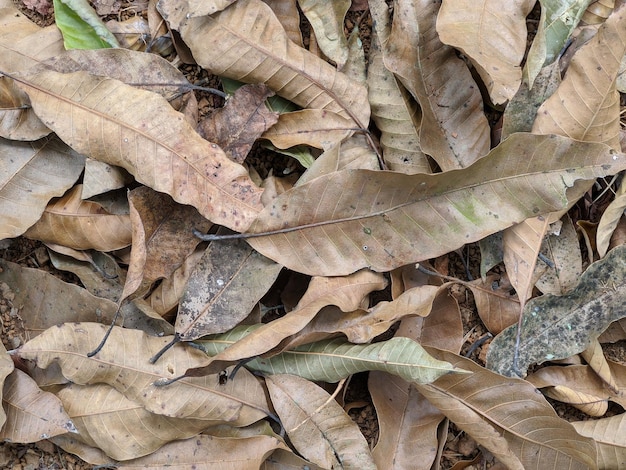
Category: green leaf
[335,359]
[557,327]
[81,27]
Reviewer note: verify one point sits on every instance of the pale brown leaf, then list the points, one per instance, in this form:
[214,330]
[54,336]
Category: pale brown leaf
[407,424]
[493,35]
[32,174]
[82,225]
[589,404]
[152,141]
[608,434]
[497,306]
[350,219]
[123,429]
[223,288]
[454,130]
[327,20]
[586,104]
[508,417]
[594,357]
[162,238]
[32,414]
[101,177]
[287,460]
[17,119]
[248,43]
[609,220]
[6,367]
[317,426]
[124,364]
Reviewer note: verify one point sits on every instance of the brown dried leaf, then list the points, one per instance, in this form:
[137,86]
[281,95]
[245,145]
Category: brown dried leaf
[81,225]
[43,300]
[588,404]
[497,307]
[351,219]
[123,363]
[327,21]
[594,356]
[32,174]
[152,141]
[32,414]
[521,429]
[522,243]
[286,460]
[608,433]
[123,429]
[317,426]
[586,104]
[407,424]
[248,43]
[315,127]
[162,238]
[6,367]
[223,289]
[101,177]
[454,130]
[243,119]
[17,119]
[493,35]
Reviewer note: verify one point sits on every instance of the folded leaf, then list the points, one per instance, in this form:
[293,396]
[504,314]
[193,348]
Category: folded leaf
[556,327]
[350,219]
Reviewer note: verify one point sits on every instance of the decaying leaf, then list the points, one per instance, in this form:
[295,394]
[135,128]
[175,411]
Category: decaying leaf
[224,286]
[6,367]
[608,433]
[350,219]
[556,327]
[317,426]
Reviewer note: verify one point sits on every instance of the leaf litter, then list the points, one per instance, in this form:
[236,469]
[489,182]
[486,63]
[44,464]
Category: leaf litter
[114,162]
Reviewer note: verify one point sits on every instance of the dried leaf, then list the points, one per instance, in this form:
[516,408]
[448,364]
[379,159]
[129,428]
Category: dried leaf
[586,104]
[454,131]
[43,300]
[101,177]
[609,220]
[520,428]
[563,250]
[608,434]
[223,288]
[588,404]
[316,424]
[327,19]
[350,219]
[243,119]
[287,460]
[162,238]
[208,453]
[315,127]
[497,306]
[394,112]
[124,364]
[17,119]
[594,356]
[557,327]
[522,243]
[153,142]
[493,35]
[123,429]
[6,367]
[32,174]
[32,414]
[249,44]
[81,225]
[407,424]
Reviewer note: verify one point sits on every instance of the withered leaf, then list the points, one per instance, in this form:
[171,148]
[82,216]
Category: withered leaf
[243,119]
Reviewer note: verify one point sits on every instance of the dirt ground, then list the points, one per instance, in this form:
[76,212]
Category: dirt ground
[460,451]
